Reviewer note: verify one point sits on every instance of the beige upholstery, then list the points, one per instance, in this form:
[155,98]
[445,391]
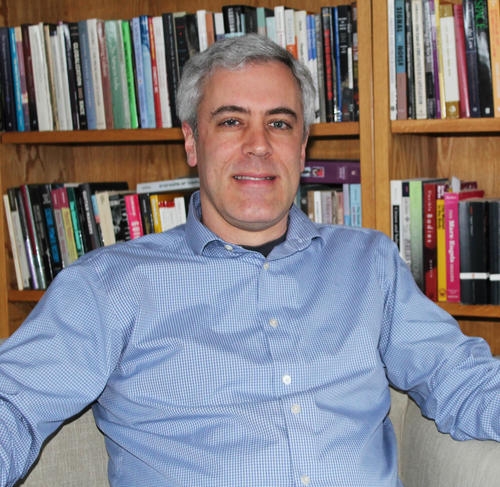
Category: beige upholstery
[76,456]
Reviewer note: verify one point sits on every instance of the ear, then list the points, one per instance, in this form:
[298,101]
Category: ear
[189,144]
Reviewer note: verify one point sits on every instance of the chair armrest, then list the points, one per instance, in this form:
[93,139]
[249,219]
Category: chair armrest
[432,459]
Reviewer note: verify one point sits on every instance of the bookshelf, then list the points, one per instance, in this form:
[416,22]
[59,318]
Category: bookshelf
[467,148]
[148,154]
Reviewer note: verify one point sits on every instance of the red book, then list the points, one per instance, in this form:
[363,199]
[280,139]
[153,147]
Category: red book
[134,218]
[452,238]
[154,73]
[429,237]
[463,84]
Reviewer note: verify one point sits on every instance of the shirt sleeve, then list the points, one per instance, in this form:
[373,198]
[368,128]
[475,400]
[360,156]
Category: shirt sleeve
[452,377]
[53,366]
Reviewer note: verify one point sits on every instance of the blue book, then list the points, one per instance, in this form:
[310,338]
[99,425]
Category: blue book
[139,72]
[355,204]
[16,81]
[336,65]
[148,72]
[88,85]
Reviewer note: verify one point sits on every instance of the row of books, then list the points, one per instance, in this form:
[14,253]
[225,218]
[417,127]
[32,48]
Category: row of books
[449,235]
[51,225]
[103,74]
[444,59]
[330,191]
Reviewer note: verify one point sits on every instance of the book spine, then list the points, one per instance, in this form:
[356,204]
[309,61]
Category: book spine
[87,77]
[6,82]
[129,73]
[441,188]
[23,78]
[48,33]
[410,75]
[95,68]
[16,81]
[133,215]
[171,63]
[355,202]
[494,31]
[392,23]
[54,252]
[483,57]
[72,87]
[452,238]
[471,58]
[139,73]
[429,59]
[464,106]
[346,83]
[105,75]
[326,26]
[74,39]
[430,240]
[59,224]
[147,71]
[396,198]
[494,250]
[435,57]
[449,55]
[30,86]
[159,38]
[419,59]
[400,60]
[154,75]
[416,231]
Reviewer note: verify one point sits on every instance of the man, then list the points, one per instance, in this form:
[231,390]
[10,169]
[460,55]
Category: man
[249,347]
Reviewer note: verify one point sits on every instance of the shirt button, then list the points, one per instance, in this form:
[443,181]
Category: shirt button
[305,480]
[266,266]
[296,409]
[273,322]
[287,380]
[228,247]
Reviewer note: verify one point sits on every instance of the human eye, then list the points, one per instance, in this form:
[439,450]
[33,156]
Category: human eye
[229,122]
[280,124]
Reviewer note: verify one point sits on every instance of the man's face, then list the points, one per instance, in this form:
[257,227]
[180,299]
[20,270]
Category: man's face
[250,151]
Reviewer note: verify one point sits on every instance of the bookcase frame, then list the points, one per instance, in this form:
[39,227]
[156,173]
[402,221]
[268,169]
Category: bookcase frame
[467,148]
[146,154]
[387,150]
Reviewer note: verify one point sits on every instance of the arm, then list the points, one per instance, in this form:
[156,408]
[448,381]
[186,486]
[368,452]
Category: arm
[452,377]
[53,366]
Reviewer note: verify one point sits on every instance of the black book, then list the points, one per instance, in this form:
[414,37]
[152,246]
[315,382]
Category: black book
[6,82]
[473,226]
[494,250]
[74,38]
[471,57]
[172,63]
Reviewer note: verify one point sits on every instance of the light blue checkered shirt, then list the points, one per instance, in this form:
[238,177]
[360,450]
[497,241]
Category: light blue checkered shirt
[211,365]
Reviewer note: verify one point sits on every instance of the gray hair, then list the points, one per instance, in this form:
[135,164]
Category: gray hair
[233,53]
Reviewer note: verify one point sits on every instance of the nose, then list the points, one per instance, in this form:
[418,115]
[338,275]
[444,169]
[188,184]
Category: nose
[257,141]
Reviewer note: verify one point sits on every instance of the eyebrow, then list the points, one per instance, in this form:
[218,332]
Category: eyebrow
[240,109]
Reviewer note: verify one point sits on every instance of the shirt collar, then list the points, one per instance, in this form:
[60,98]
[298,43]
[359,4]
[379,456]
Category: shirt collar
[301,231]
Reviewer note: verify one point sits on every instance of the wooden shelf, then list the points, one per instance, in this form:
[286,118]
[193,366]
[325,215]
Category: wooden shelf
[460,126]
[344,129]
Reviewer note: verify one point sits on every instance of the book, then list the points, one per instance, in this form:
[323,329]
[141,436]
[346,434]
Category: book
[7,102]
[167,210]
[452,239]
[471,58]
[437,83]
[30,86]
[473,251]
[172,65]
[94,52]
[159,39]
[80,121]
[147,72]
[355,204]
[157,109]
[129,73]
[483,58]
[110,217]
[494,250]
[49,32]
[410,82]
[419,59]
[87,77]
[400,61]
[64,225]
[146,214]
[37,234]
[71,72]
[463,85]
[16,80]
[105,75]
[16,240]
[75,217]
[449,57]
[178,184]
[494,32]
[330,79]
[331,171]
[62,74]
[142,106]
[28,246]
[428,16]
[441,250]
[396,215]
[392,25]
[133,210]
[117,74]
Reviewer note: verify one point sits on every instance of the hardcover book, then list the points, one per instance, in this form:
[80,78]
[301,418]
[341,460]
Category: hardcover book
[331,171]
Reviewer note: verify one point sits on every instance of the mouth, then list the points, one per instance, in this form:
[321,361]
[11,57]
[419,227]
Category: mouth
[254,178]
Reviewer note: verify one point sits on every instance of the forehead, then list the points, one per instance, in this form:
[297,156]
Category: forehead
[269,79]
